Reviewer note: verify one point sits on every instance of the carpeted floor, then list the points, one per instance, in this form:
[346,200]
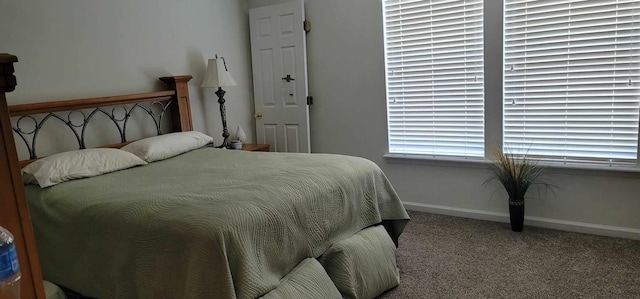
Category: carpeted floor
[450,257]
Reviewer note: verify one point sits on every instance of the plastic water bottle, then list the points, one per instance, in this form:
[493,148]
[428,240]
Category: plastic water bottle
[9,267]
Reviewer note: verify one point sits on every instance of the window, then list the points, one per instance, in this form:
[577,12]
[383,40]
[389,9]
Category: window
[571,79]
[434,62]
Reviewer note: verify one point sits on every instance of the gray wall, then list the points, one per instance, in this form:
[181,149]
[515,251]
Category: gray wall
[346,78]
[77,49]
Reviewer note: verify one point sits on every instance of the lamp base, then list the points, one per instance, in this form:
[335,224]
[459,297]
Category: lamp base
[225,144]
[223,115]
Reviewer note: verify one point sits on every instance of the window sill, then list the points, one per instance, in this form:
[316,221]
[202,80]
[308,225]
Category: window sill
[481,163]
[449,161]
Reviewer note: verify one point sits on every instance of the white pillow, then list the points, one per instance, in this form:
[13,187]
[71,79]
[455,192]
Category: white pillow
[71,165]
[166,146]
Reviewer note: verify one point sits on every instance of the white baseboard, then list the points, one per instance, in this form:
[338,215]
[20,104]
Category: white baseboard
[572,226]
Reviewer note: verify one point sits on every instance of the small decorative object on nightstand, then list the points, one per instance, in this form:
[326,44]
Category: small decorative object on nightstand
[236,145]
[241,135]
[255,147]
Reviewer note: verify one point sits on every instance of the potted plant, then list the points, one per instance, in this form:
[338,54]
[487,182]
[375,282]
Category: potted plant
[516,173]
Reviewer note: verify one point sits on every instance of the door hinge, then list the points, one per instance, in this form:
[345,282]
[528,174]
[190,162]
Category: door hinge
[309,100]
[306,25]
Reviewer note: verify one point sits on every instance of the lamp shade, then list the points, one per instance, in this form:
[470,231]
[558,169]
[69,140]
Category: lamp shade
[217,74]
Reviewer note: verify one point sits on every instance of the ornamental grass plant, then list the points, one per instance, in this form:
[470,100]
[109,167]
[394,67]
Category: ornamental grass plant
[517,173]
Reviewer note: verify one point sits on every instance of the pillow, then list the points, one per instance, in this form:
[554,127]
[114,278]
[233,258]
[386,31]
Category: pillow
[168,145]
[307,280]
[71,165]
[363,265]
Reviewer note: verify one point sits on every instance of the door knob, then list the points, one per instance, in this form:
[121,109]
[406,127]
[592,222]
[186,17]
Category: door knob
[258,115]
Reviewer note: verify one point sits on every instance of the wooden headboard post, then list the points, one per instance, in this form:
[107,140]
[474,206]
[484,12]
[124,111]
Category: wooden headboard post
[14,211]
[181,111]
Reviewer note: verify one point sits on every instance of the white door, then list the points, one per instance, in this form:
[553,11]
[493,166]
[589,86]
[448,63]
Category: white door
[279,58]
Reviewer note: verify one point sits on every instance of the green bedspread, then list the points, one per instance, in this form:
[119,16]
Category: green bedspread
[211,223]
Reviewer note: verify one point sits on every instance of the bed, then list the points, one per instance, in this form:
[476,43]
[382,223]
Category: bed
[209,223]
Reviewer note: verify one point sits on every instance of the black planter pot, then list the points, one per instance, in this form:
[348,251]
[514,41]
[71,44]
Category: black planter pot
[516,214]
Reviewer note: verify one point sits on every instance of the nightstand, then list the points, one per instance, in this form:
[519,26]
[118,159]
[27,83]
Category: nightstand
[255,147]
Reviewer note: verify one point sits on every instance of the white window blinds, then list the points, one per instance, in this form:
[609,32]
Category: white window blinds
[571,79]
[434,60]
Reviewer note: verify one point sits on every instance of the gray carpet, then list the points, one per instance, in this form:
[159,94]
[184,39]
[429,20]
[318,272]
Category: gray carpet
[450,257]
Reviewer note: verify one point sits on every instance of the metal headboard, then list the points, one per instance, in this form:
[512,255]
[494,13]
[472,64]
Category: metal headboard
[76,115]
[79,129]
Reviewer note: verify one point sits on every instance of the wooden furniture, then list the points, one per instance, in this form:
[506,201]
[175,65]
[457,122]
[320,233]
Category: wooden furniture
[255,147]
[14,212]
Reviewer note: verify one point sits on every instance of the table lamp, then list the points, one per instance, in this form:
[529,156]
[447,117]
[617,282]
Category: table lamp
[218,76]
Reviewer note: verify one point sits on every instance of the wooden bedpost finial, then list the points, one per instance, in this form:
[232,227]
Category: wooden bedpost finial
[7,79]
